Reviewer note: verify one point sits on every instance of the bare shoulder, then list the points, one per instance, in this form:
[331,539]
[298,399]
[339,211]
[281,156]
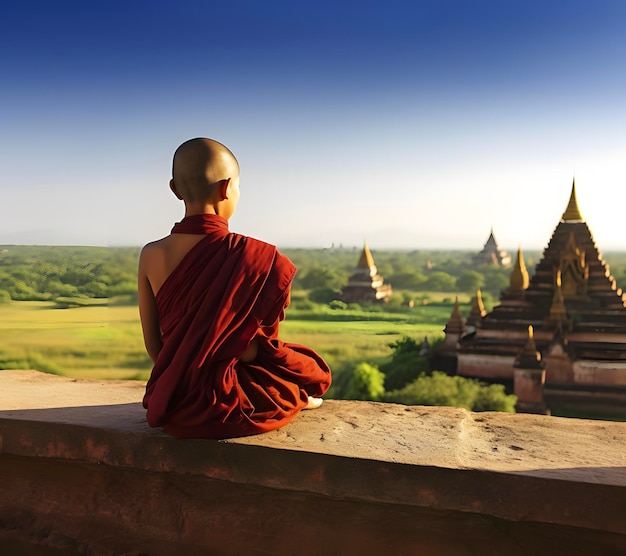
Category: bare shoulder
[153,263]
[159,258]
[153,248]
[152,254]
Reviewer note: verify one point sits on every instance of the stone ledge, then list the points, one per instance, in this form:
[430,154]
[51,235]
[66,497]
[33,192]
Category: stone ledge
[516,468]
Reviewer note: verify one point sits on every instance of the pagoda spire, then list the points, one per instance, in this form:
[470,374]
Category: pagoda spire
[455,328]
[519,275]
[456,323]
[529,357]
[557,309]
[477,312]
[529,377]
[366,260]
[478,307]
[572,212]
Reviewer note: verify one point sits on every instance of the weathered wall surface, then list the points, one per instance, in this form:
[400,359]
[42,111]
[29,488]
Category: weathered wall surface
[80,472]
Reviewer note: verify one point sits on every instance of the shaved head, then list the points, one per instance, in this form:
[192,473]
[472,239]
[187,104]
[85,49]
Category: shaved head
[199,165]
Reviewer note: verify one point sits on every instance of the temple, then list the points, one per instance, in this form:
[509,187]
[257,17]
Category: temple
[491,254]
[558,339]
[366,285]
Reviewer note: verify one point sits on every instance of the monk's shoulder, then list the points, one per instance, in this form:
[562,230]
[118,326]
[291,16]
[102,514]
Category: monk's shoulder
[152,250]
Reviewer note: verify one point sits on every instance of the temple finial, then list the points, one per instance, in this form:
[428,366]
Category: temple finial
[557,310]
[519,275]
[572,212]
[366,260]
[530,353]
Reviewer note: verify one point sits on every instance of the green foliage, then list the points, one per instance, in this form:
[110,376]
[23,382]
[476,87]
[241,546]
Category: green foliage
[302,305]
[456,391]
[323,295]
[37,273]
[338,305]
[366,383]
[406,280]
[67,302]
[439,281]
[496,279]
[406,364]
[321,277]
[469,281]
[5,297]
[493,398]
[32,361]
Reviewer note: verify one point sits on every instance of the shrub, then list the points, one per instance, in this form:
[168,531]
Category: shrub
[323,295]
[406,364]
[366,383]
[456,391]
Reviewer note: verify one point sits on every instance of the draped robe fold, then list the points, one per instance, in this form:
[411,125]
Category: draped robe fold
[227,290]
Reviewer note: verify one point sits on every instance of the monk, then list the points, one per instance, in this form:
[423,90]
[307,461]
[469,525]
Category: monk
[210,303]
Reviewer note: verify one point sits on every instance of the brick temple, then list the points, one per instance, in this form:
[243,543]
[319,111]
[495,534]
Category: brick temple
[365,285]
[558,339]
[491,254]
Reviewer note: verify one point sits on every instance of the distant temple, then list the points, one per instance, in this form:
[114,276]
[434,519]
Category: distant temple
[366,285]
[491,254]
[557,340]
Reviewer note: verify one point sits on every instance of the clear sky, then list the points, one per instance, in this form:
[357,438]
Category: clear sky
[413,124]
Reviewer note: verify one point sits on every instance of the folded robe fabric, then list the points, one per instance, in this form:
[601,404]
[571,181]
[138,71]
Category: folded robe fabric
[226,291]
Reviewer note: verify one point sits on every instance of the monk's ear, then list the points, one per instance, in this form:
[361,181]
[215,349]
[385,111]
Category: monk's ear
[224,189]
[175,190]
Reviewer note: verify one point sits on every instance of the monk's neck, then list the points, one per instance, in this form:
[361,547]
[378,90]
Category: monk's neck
[200,208]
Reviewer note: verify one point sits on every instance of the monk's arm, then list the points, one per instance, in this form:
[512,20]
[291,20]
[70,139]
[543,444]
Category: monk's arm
[148,310]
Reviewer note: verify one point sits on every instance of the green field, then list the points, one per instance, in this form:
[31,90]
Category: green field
[105,342]
[83,342]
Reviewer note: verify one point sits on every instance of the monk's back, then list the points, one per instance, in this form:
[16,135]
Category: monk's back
[161,257]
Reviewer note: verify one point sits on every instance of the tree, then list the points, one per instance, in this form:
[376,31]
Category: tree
[320,277]
[469,281]
[439,281]
[456,391]
[496,279]
[406,280]
[494,398]
[323,295]
[406,364]
[366,383]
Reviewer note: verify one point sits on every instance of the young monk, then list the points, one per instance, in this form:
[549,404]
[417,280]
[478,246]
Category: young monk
[210,303]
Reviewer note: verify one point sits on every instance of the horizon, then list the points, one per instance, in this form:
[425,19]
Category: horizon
[398,123]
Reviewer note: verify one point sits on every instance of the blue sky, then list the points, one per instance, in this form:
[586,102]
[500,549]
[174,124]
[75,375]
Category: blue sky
[403,124]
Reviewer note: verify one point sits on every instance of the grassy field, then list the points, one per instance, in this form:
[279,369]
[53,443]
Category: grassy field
[82,342]
[106,342]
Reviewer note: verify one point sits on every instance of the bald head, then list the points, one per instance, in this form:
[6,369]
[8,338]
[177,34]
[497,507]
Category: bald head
[200,165]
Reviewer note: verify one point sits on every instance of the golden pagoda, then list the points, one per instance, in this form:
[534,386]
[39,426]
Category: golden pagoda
[365,285]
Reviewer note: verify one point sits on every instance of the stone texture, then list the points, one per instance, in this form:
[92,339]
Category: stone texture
[417,435]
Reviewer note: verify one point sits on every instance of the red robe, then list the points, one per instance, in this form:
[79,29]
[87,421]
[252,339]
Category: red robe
[228,289]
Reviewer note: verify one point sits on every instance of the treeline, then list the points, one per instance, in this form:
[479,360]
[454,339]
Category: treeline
[412,274]
[39,273]
[49,272]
